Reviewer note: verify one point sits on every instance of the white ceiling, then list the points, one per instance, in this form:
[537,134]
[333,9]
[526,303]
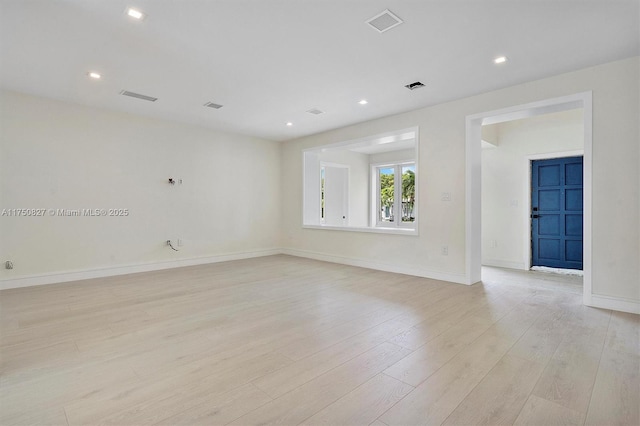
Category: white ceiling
[269,61]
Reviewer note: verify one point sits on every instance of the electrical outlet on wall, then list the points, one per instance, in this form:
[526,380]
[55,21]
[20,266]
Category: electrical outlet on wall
[445,250]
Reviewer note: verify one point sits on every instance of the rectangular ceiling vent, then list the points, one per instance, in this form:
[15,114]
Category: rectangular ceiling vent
[384,21]
[212,105]
[414,86]
[315,111]
[138,95]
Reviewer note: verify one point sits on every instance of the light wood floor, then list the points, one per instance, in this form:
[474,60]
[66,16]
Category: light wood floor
[294,341]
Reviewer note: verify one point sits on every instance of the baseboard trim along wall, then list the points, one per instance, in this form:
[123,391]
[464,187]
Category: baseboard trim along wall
[596,301]
[504,264]
[398,269]
[615,303]
[66,276]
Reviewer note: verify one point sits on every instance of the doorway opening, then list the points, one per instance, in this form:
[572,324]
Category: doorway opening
[556,214]
[476,245]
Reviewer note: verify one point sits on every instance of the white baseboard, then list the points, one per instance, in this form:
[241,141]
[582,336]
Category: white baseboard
[58,277]
[398,269]
[504,264]
[596,301]
[67,276]
[614,303]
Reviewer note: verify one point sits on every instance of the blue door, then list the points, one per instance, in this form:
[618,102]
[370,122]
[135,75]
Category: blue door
[556,213]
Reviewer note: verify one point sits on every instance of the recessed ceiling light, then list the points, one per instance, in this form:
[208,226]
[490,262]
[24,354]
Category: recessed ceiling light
[363,102]
[289,124]
[500,60]
[135,14]
[94,75]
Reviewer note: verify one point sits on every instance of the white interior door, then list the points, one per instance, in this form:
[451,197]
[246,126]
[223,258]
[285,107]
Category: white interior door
[336,197]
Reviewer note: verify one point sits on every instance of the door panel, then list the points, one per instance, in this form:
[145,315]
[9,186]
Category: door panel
[573,250]
[556,213]
[549,175]
[573,225]
[549,249]
[549,199]
[573,174]
[336,184]
[549,225]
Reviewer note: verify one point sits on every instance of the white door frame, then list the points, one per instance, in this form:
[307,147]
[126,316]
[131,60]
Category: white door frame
[473,198]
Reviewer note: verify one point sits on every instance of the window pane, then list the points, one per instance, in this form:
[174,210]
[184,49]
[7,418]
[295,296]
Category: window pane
[385,209]
[408,193]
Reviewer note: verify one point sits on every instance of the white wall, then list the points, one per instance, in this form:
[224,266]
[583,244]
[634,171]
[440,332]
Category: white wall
[505,179]
[616,182]
[60,155]
[489,136]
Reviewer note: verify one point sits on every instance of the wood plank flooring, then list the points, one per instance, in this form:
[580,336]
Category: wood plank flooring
[285,340]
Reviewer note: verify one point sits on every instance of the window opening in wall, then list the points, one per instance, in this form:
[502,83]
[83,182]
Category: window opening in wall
[368,184]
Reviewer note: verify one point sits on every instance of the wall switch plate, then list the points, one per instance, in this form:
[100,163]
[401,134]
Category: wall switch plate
[445,196]
[180,242]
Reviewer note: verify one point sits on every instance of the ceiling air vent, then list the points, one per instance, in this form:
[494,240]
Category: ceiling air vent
[414,86]
[315,111]
[139,96]
[212,105]
[384,21]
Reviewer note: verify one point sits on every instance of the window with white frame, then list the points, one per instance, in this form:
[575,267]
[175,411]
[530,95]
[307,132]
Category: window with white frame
[394,194]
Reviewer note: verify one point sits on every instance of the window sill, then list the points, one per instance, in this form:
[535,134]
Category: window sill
[376,230]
